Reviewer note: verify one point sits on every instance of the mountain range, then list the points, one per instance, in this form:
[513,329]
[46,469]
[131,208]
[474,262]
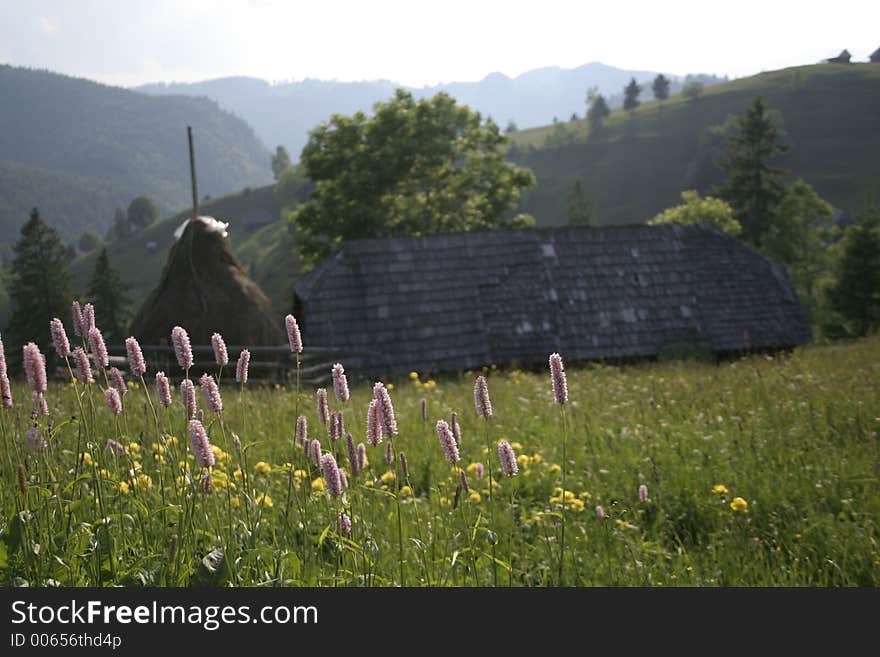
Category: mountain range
[283,113]
[77,150]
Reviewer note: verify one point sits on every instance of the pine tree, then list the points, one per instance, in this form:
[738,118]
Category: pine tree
[856,293]
[598,111]
[39,285]
[631,95]
[752,187]
[107,293]
[660,87]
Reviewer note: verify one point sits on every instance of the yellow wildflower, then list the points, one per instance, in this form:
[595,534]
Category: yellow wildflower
[158,458]
[414,375]
[471,468]
[430,383]
[739,504]
[104,472]
[388,477]
[720,489]
[158,448]
[122,487]
[134,448]
[523,460]
[318,484]
[555,468]
[577,505]
[369,483]
[300,474]
[264,501]
[86,458]
[516,445]
[131,385]
[405,490]
[234,502]
[183,465]
[474,496]
[585,495]
[390,386]
[171,440]
[262,468]
[444,501]
[536,458]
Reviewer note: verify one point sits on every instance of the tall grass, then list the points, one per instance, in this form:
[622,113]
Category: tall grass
[794,436]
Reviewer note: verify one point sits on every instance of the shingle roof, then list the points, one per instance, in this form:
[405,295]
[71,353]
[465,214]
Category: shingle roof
[460,301]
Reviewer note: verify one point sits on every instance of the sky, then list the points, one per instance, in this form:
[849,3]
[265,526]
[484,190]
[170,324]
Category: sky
[419,42]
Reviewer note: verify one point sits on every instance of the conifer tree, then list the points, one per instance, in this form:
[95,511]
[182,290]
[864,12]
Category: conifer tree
[107,293]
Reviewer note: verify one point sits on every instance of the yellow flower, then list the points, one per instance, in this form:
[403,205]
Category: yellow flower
[264,501]
[569,496]
[414,376]
[720,489]
[555,468]
[134,448]
[523,460]
[405,490]
[475,496]
[86,458]
[536,458]
[262,468]
[739,504]
[122,487]
[797,537]
[183,465]
[172,440]
[369,483]
[131,385]
[300,474]
[516,445]
[472,468]
[234,502]
[158,458]
[181,480]
[585,495]
[390,386]
[143,481]
[388,477]
[577,505]
[156,447]
[430,383]
[318,484]
[104,472]
[444,501]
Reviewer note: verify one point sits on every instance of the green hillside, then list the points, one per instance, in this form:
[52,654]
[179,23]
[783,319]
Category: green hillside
[78,149]
[259,237]
[635,166]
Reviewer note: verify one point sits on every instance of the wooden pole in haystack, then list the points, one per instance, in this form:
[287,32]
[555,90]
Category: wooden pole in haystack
[192,172]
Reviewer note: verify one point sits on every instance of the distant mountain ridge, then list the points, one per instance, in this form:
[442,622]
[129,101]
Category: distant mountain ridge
[284,113]
[77,149]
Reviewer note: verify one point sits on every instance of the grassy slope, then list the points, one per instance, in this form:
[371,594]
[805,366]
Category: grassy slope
[636,166]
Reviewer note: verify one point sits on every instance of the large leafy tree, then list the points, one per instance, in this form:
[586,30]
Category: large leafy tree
[801,237]
[107,293]
[415,167]
[752,187]
[39,283]
[142,211]
[695,210]
[856,292]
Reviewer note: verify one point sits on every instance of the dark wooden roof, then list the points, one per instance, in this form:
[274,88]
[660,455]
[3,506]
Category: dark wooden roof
[459,301]
[875,56]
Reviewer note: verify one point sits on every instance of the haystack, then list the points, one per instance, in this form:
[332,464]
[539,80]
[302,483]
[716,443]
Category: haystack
[204,289]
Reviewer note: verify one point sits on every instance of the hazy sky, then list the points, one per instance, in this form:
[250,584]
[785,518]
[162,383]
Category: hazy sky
[129,42]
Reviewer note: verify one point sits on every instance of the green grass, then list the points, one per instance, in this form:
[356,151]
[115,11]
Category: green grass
[637,165]
[795,436]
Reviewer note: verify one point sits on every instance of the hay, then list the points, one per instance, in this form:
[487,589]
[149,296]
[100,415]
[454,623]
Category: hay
[204,289]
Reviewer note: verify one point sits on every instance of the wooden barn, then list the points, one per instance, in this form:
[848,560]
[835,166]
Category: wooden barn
[460,301]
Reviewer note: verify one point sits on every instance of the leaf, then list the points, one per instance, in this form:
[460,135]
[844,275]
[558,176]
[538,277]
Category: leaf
[213,569]
[323,535]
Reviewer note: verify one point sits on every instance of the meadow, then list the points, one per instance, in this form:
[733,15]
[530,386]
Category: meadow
[756,471]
